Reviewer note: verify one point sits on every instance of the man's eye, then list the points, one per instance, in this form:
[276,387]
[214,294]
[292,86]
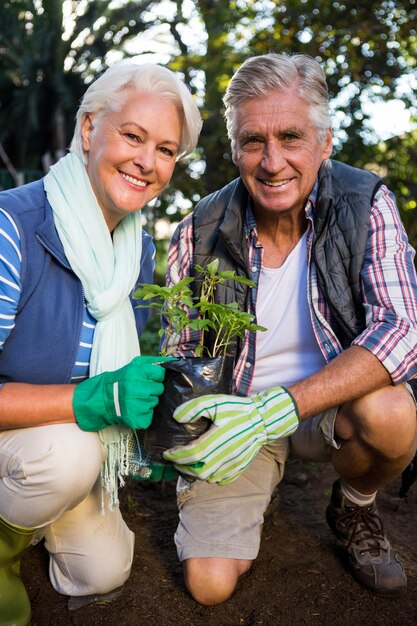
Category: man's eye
[251,141]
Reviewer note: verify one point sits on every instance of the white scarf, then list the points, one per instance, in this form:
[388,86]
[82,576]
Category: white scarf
[108,269]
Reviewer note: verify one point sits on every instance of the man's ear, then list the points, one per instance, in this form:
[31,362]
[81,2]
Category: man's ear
[328,144]
[86,128]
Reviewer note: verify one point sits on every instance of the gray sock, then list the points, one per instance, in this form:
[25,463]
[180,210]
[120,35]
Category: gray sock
[354,496]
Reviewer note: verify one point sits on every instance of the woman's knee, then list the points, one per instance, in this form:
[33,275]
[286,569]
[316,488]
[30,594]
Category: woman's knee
[72,461]
[213,580]
[72,575]
[91,553]
[56,465]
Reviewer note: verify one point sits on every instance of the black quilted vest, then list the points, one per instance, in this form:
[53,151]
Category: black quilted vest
[345,196]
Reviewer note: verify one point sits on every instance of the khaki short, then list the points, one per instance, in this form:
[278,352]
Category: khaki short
[226,521]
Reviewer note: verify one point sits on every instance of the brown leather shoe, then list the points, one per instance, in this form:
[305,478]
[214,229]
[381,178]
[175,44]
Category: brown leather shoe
[371,559]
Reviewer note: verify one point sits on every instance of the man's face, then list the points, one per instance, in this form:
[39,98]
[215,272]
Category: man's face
[278,151]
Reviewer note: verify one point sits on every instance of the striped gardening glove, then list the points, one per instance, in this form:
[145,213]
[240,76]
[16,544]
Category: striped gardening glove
[241,426]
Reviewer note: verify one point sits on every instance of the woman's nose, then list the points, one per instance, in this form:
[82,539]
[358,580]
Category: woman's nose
[145,158]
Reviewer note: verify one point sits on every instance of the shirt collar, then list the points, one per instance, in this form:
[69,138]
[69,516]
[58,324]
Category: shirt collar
[250,223]
[311,200]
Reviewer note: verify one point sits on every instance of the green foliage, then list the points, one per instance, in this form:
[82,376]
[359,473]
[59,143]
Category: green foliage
[396,162]
[368,51]
[166,301]
[365,50]
[45,63]
[225,320]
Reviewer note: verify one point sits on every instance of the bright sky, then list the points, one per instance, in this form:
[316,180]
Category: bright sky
[390,118]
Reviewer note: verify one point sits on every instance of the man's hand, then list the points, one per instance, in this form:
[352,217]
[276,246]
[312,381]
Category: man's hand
[240,427]
[126,396]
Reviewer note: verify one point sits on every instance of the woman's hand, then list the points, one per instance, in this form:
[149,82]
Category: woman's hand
[126,396]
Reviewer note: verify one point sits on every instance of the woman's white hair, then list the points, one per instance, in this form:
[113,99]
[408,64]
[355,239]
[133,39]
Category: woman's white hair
[260,75]
[109,92]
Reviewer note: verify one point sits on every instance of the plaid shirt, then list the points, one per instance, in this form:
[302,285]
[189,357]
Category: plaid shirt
[389,288]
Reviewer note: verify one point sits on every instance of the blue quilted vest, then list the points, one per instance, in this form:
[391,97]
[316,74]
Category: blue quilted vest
[42,347]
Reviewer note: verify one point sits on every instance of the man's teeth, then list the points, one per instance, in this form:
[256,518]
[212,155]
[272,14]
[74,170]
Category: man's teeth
[134,181]
[278,183]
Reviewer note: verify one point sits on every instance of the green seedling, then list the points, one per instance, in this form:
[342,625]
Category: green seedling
[226,321]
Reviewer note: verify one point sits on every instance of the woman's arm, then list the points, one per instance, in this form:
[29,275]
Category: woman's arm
[23,405]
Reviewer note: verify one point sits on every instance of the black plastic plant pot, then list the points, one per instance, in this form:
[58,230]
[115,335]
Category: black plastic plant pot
[185,379]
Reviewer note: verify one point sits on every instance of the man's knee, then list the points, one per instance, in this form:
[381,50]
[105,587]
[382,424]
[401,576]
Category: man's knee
[384,421]
[213,580]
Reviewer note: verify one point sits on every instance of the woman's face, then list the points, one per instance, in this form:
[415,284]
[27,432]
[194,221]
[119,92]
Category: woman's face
[131,153]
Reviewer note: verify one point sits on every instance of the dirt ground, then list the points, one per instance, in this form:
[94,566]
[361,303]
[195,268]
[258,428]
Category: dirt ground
[297,579]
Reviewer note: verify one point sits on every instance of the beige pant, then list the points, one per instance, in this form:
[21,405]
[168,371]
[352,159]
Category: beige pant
[49,480]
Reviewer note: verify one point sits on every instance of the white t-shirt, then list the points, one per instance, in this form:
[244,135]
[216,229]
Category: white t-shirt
[288,351]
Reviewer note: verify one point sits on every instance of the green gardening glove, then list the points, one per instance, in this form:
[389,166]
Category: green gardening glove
[126,396]
[155,472]
[241,426]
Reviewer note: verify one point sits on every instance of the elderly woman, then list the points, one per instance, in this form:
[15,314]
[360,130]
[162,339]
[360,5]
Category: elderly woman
[72,382]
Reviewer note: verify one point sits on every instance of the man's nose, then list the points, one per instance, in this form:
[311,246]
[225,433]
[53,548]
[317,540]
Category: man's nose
[273,157]
[145,157]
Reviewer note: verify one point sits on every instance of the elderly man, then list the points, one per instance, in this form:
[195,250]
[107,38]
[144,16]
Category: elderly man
[335,286]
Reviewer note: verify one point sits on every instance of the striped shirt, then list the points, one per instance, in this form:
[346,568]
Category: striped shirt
[389,290]
[10,290]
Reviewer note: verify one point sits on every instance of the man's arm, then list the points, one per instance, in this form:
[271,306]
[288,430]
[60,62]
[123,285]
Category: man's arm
[386,351]
[351,375]
[389,289]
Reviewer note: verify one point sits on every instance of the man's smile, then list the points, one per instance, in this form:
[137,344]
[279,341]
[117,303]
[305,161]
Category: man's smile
[275,183]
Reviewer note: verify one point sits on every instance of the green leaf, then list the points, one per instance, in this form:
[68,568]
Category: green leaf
[200,324]
[213,266]
[199,351]
[253,327]
[244,281]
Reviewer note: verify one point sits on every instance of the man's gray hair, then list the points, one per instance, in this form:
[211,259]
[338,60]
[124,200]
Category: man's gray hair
[260,75]
[110,91]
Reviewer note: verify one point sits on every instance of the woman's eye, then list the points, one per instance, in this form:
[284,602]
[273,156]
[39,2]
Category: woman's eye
[131,137]
[167,151]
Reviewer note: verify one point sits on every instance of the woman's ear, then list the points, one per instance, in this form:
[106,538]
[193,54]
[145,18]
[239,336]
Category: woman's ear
[86,128]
